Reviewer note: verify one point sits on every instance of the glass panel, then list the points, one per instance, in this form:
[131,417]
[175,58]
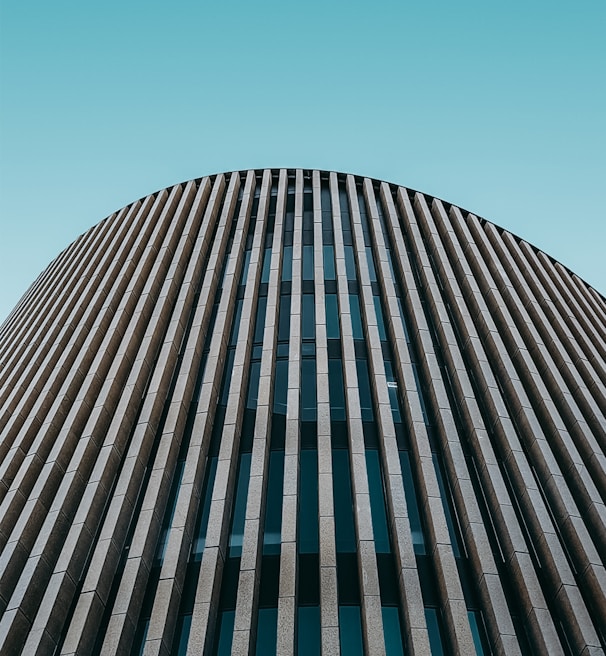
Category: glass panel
[445,495]
[336,391]
[308,501]
[273,509]
[209,481]
[332,316]
[392,631]
[139,641]
[364,389]
[308,318]
[420,393]
[380,320]
[377,502]
[245,266]
[308,262]
[229,365]
[392,389]
[356,317]
[267,629]
[329,263]
[281,387]
[350,631]
[433,626]
[169,513]
[308,631]
[350,263]
[418,539]
[308,390]
[475,631]
[183,628]
[371,265]
[405,327]
[239,512]
[345,533]
[287,264]
[226,632]
[284,319]
[235,326]
[253,386]
[260,320]
[266,265]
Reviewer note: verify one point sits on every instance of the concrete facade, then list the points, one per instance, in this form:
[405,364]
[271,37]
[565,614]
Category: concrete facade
[296,412]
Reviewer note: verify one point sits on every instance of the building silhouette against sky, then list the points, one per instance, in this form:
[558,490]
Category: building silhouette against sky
[293,411]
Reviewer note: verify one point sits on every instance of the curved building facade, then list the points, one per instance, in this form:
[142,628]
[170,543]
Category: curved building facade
[302,412]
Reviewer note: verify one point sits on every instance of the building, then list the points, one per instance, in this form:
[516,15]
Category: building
[281,411]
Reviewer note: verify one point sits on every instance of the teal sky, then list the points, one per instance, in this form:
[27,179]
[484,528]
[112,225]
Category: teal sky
[497,107]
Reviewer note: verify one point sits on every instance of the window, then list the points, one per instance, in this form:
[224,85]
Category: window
[266,265]
[433,627]
[260,320]
[329,263]
[273,509]
[350,263]
[308,317]
[392,631]
[281,387]
[205,499]
[308,262]
[364,389]
[414,517]
[350,631]
[336,391]
[267,630]
[287,264]
[239,511]
[253,385]
[308,501]
[356,317]
[284,318]
[377,501]
[380,321]
[308,631]
[226,632]
[332,316]
[308,390]
[182,631]
[345,533]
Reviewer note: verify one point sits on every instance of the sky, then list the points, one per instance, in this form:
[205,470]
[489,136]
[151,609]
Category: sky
[499,108]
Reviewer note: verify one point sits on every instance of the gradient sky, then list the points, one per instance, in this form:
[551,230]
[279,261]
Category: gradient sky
[499,108]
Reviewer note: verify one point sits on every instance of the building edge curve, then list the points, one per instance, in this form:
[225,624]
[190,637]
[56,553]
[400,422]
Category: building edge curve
[291,410]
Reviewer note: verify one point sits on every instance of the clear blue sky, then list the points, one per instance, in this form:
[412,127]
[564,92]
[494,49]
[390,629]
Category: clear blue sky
[497,107]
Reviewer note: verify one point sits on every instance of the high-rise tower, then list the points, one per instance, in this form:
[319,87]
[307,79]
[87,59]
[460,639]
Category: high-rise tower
[291,411]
